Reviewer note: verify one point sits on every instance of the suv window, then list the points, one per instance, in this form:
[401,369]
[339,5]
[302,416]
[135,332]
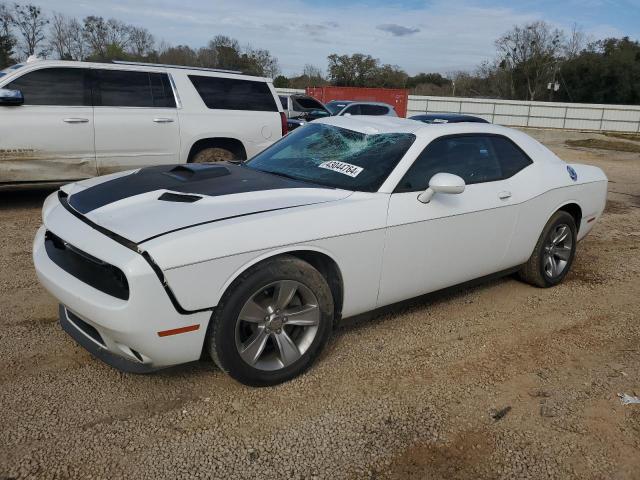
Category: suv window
[511,157]
[54,86]
[234,94]
[284,102]
[373,110]
[471,157]
[121,88]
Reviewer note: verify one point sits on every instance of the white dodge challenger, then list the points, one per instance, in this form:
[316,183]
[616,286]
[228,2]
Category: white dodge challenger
[254,263]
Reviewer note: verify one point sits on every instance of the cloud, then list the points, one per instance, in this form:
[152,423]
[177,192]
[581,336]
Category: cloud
[397,30]
[414,34]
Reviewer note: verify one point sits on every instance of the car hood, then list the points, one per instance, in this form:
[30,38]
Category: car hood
[151,202]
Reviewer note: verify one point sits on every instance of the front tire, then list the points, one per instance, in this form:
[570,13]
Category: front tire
[272,323]
[554,252]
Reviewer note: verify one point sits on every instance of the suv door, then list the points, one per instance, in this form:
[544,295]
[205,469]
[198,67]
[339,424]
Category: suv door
[453,238]
[136,120]
[50,137]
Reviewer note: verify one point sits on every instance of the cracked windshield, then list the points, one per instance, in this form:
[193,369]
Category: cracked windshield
[335,157]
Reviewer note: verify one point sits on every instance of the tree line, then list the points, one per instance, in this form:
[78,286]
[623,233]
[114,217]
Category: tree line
[534,61]
[26,30]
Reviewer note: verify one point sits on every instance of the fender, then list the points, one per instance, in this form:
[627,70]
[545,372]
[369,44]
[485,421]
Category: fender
[271,254]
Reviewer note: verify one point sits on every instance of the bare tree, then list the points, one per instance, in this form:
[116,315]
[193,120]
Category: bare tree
[66,38]
[77,44]
[141,42]
[7,40]
[576,42]
[529,53]
[30,23]
[106,38]
[262,62]
[95,33]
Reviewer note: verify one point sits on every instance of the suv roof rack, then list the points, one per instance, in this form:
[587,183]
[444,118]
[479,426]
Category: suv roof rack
[185,67]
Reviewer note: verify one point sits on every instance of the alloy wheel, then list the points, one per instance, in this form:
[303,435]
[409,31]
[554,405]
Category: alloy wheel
[277,325]
[557,251]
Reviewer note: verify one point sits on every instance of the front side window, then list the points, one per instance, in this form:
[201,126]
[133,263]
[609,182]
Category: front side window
[335,107]
[234,94]
[353,110]
[334,157]
[53,86]
[305,103]
[471,157]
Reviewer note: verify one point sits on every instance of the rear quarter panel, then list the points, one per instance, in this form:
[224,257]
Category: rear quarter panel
[546,188]
[256,130]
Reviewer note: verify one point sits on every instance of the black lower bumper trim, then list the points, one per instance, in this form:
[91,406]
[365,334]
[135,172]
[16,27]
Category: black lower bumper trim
[116,361]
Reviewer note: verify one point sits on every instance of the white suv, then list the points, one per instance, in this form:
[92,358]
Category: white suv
[63,120]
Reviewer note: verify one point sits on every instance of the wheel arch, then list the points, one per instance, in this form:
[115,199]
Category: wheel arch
[318,258]
[573,209]
[232,144]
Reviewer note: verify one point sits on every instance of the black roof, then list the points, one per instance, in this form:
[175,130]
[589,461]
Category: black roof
[447,118]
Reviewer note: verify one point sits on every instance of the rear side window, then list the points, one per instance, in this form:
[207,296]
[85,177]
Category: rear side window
[373,110]
[54,86]
[511,157]
[119,88]
[284,102]
[234,94]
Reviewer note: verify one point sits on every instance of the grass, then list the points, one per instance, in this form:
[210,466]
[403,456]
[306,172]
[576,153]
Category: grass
[605,145]
[627,136]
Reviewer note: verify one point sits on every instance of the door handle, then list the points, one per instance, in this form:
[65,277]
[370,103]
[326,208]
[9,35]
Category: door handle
[75,120]
[504,195]
[163,120]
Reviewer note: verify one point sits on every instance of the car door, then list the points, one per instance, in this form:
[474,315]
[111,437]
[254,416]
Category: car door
[50,137]
[136,120]
[455,237]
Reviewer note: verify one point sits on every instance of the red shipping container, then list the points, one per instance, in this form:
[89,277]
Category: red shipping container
[396,97]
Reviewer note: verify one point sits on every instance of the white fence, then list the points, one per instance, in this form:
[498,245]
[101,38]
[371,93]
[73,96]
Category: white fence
[574,116]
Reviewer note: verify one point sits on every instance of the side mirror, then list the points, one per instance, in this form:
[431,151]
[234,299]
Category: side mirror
[11,97]
[442,183]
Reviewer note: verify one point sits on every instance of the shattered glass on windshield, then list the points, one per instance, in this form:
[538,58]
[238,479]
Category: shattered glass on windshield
[335,157]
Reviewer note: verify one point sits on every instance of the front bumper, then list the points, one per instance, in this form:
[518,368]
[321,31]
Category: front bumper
[130,330]
[69,323]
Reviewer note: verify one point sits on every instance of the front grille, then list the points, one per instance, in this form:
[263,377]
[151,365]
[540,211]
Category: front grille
[87,268]
[87,329]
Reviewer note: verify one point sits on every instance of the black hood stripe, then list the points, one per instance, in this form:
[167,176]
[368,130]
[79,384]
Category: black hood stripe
[198,179]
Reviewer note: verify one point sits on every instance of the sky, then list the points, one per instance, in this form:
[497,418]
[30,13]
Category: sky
[417,35]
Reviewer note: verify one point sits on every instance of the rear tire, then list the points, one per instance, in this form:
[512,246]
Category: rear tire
[272,323]
[213,154]
[554,252]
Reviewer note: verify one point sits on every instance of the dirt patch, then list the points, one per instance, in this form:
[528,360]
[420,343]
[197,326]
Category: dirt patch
[604,145]
[462,458]
[616,207]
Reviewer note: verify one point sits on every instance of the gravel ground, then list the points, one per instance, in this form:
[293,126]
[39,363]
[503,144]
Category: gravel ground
[501,380]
